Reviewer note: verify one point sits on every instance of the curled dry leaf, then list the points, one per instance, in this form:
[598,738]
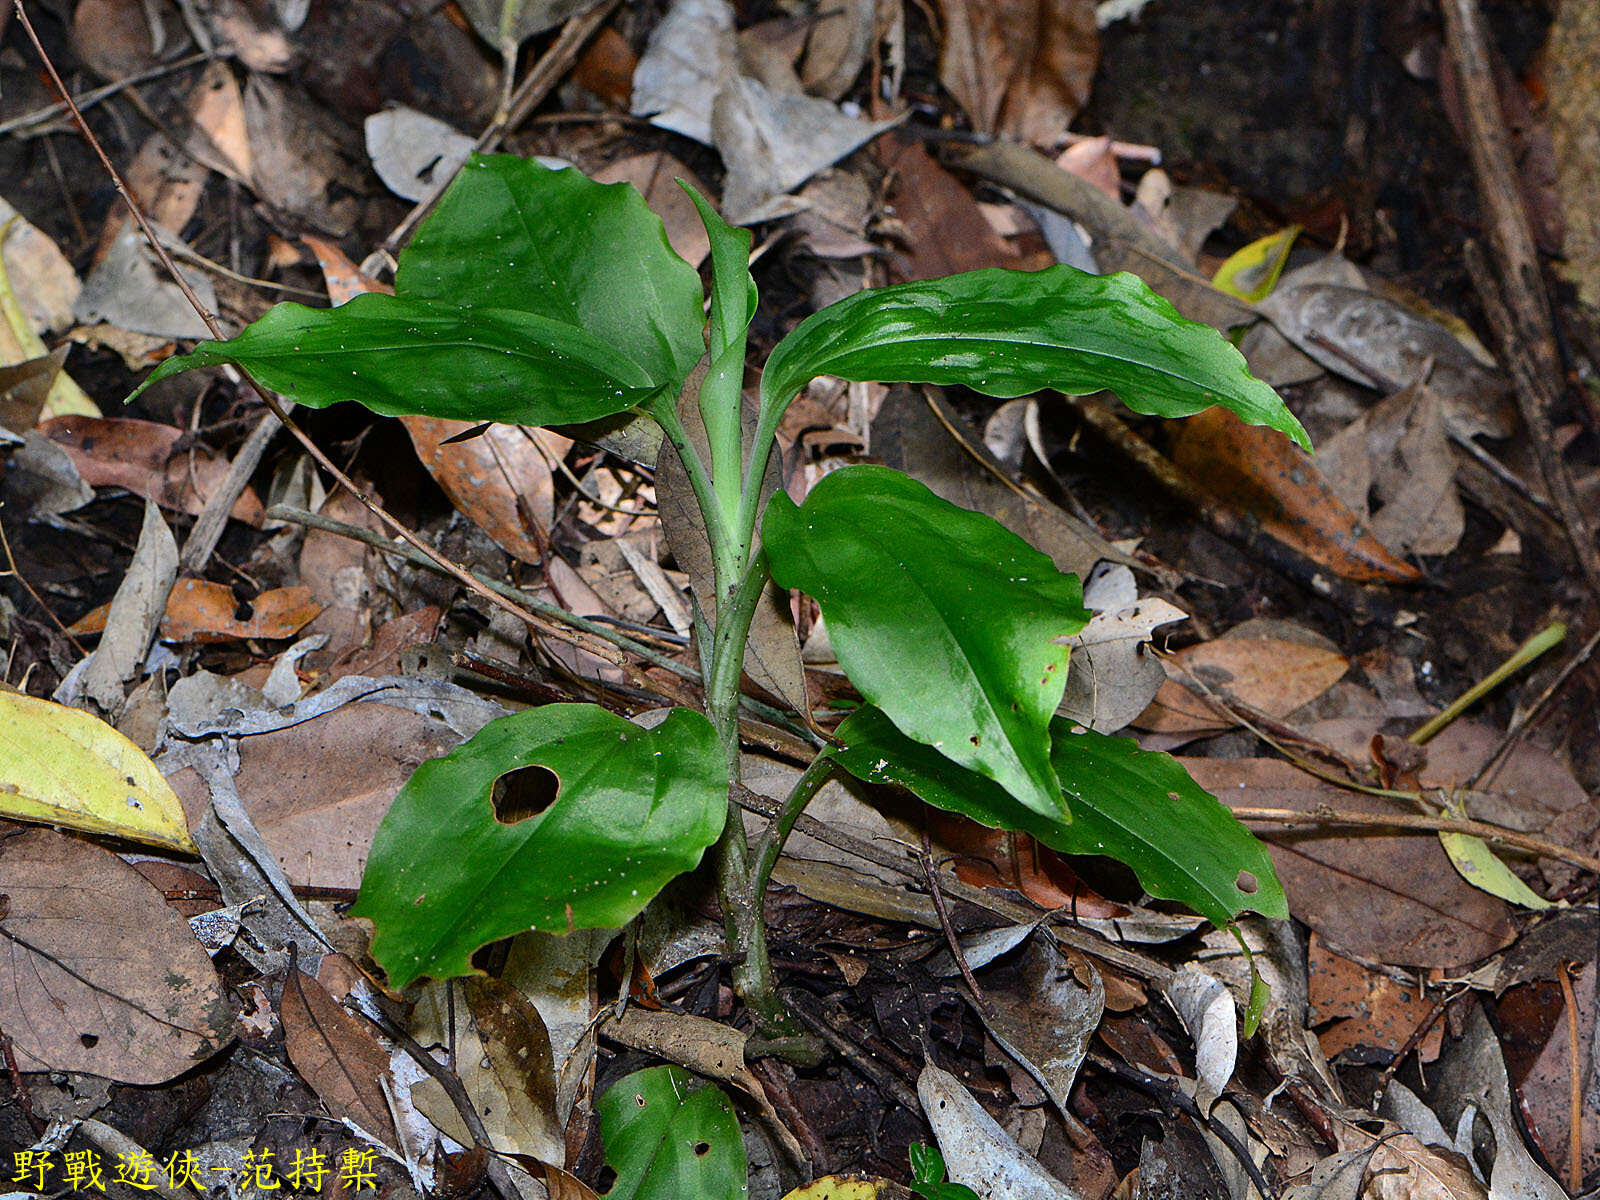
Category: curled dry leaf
[147,459]
[200,610]
[1263,476]
[503,1054]
[97,973]
[978,1152]
[336,1055]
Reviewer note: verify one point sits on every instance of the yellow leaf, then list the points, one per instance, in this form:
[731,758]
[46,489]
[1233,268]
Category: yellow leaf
[61,766]
[19,342]
[850,1187]
[1482,868]
[1252,272]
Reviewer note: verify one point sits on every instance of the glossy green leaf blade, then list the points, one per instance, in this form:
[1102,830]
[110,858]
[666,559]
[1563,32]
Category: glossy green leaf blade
[670,1136]
[1008,333]
[634,809]
[943,618]
[512,233]
[1133,805]
[399,356]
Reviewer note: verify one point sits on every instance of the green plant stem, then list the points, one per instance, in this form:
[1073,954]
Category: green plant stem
[742,904]
[778,829]
[728,553]
[1546,639]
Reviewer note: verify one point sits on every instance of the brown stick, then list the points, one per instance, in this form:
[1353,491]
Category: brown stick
[1518,307]
[1421,821]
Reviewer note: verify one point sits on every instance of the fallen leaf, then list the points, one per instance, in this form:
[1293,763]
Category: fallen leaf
[63,766]
[1573,113]
[216,110]
[1398,452]
[499,479]
[97,973]
[1267,478]
[1391,898]
[144,458]
[1362,1007]
[1020,68]
[134,614]
[505,1065]
[412,152]
[336,1055]
[1207,1011]
[1273,667]
[199,610]
[945,231]
[317,789]
[977,1151]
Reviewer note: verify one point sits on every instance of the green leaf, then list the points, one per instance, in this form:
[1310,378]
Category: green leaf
[400,356]
[943,618]
[927,1173]
[513,233]
[530,295]
[1133,805]
[1008,333]
[670,1136]
[453,869]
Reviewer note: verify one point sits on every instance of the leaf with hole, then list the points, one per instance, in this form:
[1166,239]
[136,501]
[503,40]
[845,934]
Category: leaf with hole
[943,618]
[556,818]
[1008,333]
[530,295]
[669,1136]
[1133,805]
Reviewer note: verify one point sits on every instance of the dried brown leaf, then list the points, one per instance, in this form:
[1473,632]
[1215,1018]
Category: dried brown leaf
[97,973]
[335,1054]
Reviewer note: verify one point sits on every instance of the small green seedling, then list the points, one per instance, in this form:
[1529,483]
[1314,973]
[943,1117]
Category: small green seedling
[928,1176]
[537,297]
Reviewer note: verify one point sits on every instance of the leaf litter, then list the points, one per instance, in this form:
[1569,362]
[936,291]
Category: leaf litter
[792,121]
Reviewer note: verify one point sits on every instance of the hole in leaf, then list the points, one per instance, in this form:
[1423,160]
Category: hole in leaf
[523,793]
[701,1149]
[607,1178]
[243,611]
[88,1040]
[1246,883]
[973,739]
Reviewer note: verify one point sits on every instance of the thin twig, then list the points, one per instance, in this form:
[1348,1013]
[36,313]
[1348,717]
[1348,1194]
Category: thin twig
[951,940]
[1425,822]
[90,98]
[1521,724]
[11,570]
[1574,1081]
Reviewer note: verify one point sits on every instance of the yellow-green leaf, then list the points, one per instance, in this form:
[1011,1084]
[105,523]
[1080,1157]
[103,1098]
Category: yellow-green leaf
[61,766]
[1483,869]
[1252,272]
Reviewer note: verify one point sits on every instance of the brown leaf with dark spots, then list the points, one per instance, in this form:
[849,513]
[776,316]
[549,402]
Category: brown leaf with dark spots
[1260,473]
[146,458]
[335,1055]
[97,973]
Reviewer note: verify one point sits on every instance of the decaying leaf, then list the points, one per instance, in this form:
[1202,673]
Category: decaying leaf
[97,973]
[1021,68]
[336,1055]
[65,767]
[503,1060]
[1273,667]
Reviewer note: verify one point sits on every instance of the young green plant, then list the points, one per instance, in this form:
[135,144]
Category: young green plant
[537,297]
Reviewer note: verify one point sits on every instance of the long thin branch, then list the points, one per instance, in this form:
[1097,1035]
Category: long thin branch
[1421,821]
